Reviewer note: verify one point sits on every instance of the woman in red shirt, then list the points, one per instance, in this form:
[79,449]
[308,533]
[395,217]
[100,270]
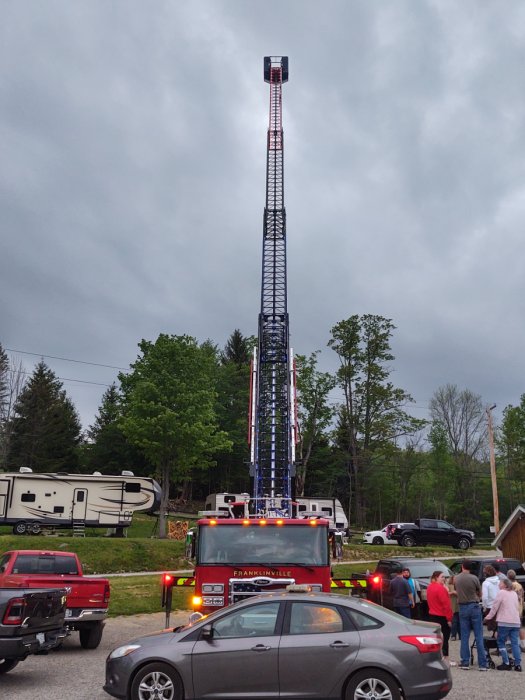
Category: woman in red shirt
[439,608]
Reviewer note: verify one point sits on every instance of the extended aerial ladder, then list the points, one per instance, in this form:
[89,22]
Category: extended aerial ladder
[272,403]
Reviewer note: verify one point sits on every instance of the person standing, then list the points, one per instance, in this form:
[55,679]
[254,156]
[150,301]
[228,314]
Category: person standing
[511,574]
[468,589]
[416,588]
[439,608]
[454,628]
[402,598]
[505,610]
[489,588]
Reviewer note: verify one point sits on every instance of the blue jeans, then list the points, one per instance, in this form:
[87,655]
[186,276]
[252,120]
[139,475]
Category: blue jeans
[403,610]
[514,634]
[470,620]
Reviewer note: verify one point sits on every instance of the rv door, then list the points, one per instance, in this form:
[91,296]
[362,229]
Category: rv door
[4,490]
[79,504]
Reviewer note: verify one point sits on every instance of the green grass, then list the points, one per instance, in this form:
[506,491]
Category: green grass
[133,595]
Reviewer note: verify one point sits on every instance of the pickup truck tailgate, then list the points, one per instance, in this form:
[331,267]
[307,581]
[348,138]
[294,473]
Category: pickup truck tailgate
[36,609]
[81,592]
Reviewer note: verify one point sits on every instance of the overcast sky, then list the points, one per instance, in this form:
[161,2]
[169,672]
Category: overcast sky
[132,180]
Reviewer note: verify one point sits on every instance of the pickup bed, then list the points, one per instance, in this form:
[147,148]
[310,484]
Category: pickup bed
[432,531]
[31,622]
[87,598]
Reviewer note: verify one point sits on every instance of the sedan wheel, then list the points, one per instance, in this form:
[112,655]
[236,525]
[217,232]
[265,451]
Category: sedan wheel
[372,685]
[156,682]
[377,540]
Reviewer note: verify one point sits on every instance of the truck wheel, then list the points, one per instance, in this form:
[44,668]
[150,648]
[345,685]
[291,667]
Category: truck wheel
[157,680]
[377,540]
[463,543]
[372,683]
[90,636]
[7,665]
[20,528]
[408,541]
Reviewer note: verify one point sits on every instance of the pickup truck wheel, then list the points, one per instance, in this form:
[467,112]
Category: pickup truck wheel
[377,540]
[372,683]
[463,543]
[7,665]
[20,528]
[90,636]
[408,541]
[156,680]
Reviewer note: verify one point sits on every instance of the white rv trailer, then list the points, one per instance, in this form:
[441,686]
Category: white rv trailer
[31,501]
[231,504]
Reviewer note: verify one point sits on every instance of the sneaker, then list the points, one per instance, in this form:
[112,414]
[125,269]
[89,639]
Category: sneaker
[452,663]
[484,668]
[503,667]
[517,668]
[464,668]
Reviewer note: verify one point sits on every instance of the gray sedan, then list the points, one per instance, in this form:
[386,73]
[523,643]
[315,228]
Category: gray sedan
[286,645]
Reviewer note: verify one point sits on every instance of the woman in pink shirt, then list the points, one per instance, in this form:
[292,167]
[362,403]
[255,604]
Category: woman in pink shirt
[505,609]
[439,608]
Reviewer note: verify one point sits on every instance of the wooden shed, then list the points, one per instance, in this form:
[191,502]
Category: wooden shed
[511,537]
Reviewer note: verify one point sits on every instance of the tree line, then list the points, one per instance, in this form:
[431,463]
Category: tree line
[180,414]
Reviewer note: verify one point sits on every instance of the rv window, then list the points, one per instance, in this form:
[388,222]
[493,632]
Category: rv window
[58,509]
[327,510]
[80,496]
[301,508]
[28,498]
[132,487]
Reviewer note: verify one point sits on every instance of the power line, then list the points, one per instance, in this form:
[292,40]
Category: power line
[68,359]
[63,379]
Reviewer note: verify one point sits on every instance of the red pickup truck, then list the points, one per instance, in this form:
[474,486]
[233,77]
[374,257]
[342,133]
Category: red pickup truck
[87,598]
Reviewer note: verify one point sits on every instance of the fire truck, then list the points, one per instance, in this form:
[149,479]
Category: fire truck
[261,547]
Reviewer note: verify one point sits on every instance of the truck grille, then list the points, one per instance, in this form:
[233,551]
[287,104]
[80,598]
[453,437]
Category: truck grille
[240,589]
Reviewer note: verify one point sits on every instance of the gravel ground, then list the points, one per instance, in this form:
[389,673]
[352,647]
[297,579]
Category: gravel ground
[72,673]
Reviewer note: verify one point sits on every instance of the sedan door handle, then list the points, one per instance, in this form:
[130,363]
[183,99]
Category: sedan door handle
[339,645]
[261,647]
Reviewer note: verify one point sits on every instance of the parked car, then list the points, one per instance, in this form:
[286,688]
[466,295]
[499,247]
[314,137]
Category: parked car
[383,536]
[432,531]
[479,564]
[378,582]
[31,622]
[288,644]
[87,597]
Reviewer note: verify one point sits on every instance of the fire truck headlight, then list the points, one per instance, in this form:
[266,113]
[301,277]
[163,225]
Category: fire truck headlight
[197,601]
[213,587]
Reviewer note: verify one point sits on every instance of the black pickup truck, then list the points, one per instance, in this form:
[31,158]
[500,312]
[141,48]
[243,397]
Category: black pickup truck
[432,531]
[31,622]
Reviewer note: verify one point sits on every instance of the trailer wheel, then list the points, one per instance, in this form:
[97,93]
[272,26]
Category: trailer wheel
[20,528]
[7,665]
[35,529]
[90,636]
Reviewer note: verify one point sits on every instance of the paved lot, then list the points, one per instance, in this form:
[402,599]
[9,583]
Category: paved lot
[75,674]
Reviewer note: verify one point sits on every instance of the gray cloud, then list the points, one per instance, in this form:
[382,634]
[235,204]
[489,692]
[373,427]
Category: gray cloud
[133,146]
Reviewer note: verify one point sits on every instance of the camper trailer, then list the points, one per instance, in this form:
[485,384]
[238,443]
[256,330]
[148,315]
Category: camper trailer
[30,501]
[232,505]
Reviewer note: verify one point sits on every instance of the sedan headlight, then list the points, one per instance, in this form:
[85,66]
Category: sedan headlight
[123,651]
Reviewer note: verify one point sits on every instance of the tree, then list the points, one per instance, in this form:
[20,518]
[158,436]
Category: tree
[511,450]
[313,411]
[45,429]
[462,417]
[107,449]
[169,401]
[12,380]
[371,416]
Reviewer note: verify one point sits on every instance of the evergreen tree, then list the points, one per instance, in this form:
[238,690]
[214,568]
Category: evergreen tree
[46,430]
[107,449]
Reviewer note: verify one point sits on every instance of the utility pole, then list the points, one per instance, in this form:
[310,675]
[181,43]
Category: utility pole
[495,503]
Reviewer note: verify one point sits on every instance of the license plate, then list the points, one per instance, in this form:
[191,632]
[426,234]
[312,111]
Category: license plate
[69,613]
[40,638]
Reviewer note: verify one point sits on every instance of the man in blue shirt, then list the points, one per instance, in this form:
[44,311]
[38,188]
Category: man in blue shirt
[402,597]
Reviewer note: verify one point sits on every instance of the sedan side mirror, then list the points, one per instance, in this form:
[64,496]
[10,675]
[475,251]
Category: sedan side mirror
[207,632]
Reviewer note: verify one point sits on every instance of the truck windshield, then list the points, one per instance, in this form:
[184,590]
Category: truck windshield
[237,544]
